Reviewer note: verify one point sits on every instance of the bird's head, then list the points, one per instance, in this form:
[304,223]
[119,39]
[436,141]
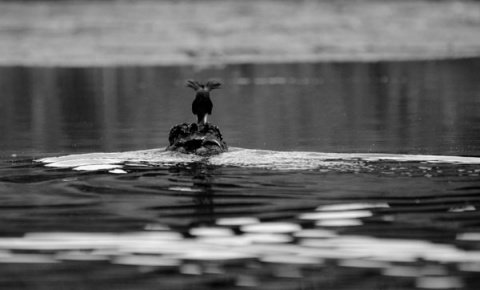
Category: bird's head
[209,86]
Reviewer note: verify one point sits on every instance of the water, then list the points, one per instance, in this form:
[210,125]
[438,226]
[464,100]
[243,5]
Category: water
[400,107]
[330,194]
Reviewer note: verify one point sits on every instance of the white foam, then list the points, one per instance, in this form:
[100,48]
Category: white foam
[96,167]
[277,160]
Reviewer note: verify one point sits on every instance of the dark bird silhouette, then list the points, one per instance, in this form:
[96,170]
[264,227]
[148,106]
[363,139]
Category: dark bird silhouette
[202,105]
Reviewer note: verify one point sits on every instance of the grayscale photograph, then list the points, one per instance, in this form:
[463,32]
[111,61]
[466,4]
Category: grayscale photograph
[239,144]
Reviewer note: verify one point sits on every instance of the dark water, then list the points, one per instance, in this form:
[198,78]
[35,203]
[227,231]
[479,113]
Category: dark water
[401,107]
[350,224]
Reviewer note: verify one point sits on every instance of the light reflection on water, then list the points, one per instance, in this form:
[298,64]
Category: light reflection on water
[257,219]
[426,107]
[213,250]
[246,227]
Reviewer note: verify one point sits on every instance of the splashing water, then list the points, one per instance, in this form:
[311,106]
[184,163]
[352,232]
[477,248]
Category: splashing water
[248,158]
[236,220]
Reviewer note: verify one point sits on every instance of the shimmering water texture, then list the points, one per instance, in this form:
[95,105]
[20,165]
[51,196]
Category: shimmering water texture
[281,215]
[266,159]
[246,219]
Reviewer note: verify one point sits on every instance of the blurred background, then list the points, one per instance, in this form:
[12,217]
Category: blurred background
[216,32]
[418,107]
[349,76]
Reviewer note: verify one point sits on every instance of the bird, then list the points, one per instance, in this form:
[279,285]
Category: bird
[202,105]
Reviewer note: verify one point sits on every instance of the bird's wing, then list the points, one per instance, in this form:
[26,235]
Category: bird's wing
[195,106]
[209,108]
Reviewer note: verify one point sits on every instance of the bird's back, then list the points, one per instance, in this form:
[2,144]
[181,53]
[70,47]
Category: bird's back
[202,104]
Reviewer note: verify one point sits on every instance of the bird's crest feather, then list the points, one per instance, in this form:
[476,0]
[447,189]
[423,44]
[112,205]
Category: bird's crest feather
[212,85]
[197,86]
[194,84]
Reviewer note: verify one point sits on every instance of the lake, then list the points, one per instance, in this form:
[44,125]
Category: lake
[341,175]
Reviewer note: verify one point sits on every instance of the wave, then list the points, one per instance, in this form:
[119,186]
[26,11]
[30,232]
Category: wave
[240,157]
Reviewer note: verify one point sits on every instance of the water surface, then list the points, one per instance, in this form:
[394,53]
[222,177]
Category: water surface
[309,204]
[426,107]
